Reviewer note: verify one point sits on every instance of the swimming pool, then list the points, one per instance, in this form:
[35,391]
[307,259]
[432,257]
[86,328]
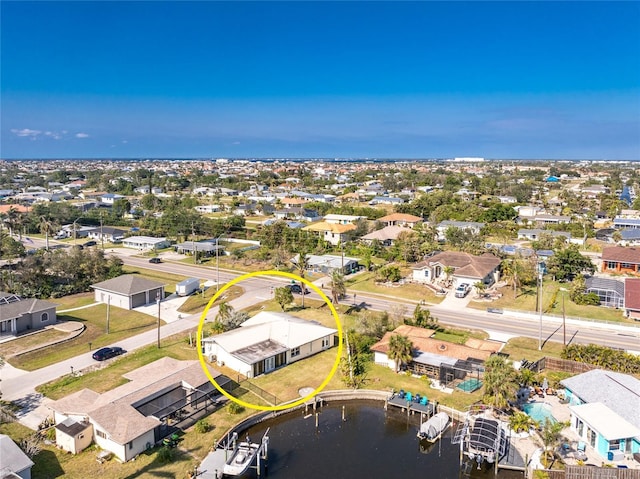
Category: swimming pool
[470,385]
[539,411]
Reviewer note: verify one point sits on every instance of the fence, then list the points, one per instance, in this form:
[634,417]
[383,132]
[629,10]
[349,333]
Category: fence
[582,472]
[258,391]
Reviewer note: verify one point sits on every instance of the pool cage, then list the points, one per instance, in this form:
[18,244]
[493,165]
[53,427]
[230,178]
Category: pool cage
[481,436]
[464,375]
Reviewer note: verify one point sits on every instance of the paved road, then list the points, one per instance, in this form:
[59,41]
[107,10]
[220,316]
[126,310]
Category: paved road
[20,385]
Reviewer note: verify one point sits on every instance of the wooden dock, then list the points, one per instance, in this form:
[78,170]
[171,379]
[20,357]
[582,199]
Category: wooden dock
[411,407]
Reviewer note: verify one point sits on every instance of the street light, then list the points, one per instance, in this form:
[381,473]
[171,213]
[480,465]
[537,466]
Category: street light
[540,302]
[218,262]
[564,323]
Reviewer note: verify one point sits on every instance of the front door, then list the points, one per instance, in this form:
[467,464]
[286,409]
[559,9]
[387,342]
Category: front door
[269,364]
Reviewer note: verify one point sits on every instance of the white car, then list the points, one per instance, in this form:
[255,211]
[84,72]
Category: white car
[462,290]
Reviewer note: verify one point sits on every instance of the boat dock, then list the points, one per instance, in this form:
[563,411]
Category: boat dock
[213,465]
[412,406]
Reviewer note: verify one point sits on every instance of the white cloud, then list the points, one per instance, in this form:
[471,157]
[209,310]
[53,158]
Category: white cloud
[26,132]
[53,134]
[82,135]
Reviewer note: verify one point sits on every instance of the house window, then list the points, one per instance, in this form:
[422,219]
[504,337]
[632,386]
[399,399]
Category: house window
[80,436]
[626,266]
[295,352]
[325,342]
[611,264]
[130,445]
[614,445]
[44,317]
[101,434]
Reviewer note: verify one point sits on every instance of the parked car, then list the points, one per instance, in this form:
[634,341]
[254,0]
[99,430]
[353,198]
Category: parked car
[90,243]
[155,260]
[107,353]
[296,288]
[462,290]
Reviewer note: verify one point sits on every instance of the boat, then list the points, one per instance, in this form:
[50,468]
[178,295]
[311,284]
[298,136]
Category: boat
[241,458]
[432,429]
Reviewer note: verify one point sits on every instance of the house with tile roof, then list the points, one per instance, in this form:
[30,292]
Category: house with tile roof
[604,411]
[386,236]
[621,260]
[128,291]
[400,219]
[467,268]
[334,233]
[448,363]
[133,417]
[268,341]
[18,315]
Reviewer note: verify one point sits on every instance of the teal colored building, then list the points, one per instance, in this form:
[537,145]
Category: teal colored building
[605,412]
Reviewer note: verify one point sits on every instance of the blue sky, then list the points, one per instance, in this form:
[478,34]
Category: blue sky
[320,79]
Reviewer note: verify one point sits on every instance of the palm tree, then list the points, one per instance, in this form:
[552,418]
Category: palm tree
[551,435]
[47,227]
[301,264]
[480,288]
[400,350]
[500,381]
[338,288]
[448,271]
[521,422]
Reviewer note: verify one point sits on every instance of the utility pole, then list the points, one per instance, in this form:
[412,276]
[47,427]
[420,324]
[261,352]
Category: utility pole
[108,311]
[540,276]
[193,244]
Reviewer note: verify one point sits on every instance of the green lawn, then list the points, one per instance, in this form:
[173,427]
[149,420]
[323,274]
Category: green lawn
[552,303]
[168,279]
[365,282]
[15,346]
[197,302]
[74,301]
[527,348]
[122,324]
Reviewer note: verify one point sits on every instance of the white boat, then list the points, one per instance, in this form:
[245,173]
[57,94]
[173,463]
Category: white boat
[434,427]
[241,458]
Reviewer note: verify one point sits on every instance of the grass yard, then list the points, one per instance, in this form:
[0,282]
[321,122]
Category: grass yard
[527,348]
[26,342]
[74,301]
[197,302]
[552,303]
[365,282]
[284,383]
[122,324]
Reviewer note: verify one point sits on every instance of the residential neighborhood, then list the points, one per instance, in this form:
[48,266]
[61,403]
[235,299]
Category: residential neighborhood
[441,272]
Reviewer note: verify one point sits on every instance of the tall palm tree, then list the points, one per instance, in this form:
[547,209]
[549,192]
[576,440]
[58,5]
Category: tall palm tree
[301,264]
[338,288]
[400,350]
[500,380]
[47,227]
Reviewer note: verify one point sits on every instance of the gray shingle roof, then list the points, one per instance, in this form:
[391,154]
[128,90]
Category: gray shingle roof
[607,284]
[18,308]
[619,392]
[127,284]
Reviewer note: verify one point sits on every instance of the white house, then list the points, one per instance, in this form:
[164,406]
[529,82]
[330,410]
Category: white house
[467,268]
[128,291]
[145,242]
[266,342]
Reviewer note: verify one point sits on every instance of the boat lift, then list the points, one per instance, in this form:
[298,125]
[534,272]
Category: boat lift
[261,454]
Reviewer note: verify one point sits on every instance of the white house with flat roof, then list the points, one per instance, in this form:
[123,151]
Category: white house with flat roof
[266,342]
[145,242]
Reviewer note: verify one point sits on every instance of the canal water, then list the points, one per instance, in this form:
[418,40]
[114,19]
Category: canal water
[371,443]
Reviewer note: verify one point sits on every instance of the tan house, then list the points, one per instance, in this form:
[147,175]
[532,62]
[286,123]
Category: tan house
[400,219]
[467,268]
[333,233]
[133,417]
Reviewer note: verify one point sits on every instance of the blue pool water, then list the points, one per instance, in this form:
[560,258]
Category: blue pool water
[539,411]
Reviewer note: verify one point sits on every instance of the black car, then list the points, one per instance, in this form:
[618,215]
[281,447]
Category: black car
[90,243]
[296,288]
[155,260]
[107,353]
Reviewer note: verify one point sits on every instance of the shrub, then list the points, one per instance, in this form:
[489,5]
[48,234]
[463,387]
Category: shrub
[165,454]
[202,426]
[235,408]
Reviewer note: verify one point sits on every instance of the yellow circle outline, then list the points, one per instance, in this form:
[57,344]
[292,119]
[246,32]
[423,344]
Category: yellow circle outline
[281,407]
